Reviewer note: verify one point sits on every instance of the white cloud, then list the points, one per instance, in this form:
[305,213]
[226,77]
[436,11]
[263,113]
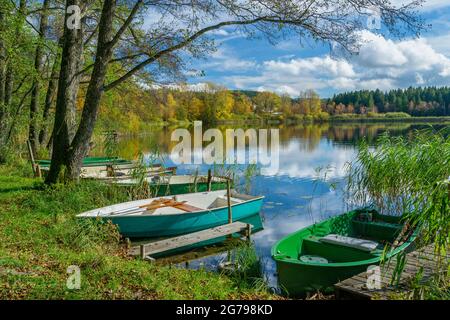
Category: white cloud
[321,66]
[440,43]
[377,51]
[225,59]
[382,63]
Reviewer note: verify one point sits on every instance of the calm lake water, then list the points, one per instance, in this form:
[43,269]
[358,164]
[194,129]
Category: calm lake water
[297,195]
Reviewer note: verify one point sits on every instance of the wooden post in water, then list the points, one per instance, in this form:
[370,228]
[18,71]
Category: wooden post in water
[195,181]
[209,179]
[249,232]
[230,213]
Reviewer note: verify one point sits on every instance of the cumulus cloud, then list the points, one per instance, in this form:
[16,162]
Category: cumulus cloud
[225,59]
[381,63]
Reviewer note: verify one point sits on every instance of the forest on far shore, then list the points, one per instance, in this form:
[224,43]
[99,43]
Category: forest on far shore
[132,106]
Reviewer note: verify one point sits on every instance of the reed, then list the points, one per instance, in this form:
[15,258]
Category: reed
[247,269]
[407,176]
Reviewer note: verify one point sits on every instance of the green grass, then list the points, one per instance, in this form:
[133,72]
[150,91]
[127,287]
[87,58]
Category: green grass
[40,238]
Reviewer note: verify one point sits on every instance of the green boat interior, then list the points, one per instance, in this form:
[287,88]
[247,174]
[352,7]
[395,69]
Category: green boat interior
[355,237]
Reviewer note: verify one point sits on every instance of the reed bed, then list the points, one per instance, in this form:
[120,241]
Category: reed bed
[407,176]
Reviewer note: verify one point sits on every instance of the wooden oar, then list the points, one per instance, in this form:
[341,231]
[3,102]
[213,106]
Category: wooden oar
[155,204]
[152,207]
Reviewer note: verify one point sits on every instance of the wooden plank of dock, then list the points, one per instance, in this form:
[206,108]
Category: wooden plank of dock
[424,259]
[152,248]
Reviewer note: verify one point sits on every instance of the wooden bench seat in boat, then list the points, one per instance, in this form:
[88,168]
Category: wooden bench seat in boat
[356,243]
[333,253]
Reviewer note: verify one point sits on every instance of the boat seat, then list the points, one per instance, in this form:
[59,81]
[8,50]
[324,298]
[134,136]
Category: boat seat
[361,244]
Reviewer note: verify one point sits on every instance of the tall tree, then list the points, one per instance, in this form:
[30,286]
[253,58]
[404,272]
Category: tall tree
[33,131]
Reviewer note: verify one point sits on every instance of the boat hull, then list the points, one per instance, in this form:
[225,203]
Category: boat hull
[148,226]
[296,280]
[92,162]
[297,277]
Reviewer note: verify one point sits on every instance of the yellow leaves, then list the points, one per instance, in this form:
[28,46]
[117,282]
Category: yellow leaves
[196,107]
[242,105]
[224,102]
[134,123]
[267,102]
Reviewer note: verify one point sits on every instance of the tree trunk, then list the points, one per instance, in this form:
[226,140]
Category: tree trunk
[2,97]
[49,98]
[68,84]
[2,78]
[35,94]
[9,84]
[80,144]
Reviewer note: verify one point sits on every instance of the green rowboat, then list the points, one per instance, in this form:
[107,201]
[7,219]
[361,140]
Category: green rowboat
[91,161]
[316,257]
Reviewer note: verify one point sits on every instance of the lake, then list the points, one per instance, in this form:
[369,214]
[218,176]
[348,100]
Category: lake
[308,187]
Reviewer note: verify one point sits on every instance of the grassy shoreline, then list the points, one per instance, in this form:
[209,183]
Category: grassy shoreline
[41,238]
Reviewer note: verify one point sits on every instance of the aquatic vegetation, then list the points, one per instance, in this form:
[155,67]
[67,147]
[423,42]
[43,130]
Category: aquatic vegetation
[407,175]
[246,267]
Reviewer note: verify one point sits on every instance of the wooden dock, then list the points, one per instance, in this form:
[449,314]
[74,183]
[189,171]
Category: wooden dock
[424,259]
[146,251]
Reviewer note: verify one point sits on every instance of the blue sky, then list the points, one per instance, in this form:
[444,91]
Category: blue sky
[290,67]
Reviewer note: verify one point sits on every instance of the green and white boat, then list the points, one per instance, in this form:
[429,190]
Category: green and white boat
[108,168]
[316,257]
[177,215]
[118,172]
[161,185]
[92,161]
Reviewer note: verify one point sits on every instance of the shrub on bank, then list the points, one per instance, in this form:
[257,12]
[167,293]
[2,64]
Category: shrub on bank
[397,115]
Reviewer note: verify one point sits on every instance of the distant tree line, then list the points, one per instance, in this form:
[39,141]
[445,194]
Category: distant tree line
[429,101]
[133,106]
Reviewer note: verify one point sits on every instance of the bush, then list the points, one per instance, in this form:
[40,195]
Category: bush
[374,114]
[345,116]
[396,115]
[308,118]
[323,116]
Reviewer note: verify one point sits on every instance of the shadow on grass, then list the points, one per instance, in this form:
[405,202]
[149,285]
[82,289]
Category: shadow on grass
[37,187]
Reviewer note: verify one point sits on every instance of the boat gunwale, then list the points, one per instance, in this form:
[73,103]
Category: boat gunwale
[256,198]
[219,180]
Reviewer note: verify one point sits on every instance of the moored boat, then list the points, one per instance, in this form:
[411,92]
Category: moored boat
[105,168]
[123,171]
[181,214]
[161,185]
[91,161]
[325,253]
